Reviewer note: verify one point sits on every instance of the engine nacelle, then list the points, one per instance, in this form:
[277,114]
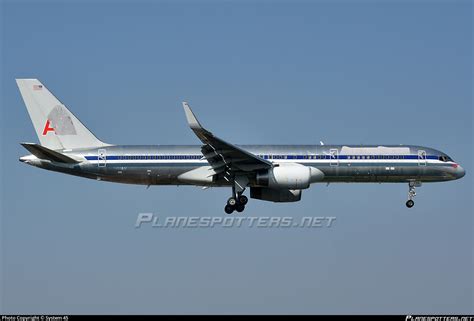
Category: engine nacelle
[275,195]
[289,176]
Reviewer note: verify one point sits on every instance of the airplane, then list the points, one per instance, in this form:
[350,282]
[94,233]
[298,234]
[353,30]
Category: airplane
[277,173]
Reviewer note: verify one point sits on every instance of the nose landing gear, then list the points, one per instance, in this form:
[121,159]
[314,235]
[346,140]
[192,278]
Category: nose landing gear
[412,193]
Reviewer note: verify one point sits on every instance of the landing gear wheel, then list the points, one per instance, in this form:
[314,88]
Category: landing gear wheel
[240,208]
[243,199]
[412,193]
[229,209]
[231,201]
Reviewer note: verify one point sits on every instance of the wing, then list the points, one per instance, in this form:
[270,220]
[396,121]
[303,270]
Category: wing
[221,155]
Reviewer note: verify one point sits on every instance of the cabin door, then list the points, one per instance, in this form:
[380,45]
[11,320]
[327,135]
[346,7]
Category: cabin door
[333,157]
[422,158]
[102,157]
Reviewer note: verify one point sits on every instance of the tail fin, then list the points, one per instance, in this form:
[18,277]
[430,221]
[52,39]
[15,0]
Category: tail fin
[55,125]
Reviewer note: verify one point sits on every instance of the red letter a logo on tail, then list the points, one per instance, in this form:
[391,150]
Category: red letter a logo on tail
[47,128]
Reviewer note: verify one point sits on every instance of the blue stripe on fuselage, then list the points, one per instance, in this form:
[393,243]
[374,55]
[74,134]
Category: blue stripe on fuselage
[274,157]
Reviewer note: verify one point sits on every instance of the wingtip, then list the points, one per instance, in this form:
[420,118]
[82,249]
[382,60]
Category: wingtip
[191,118]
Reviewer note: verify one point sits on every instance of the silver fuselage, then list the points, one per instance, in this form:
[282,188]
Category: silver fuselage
[162,164]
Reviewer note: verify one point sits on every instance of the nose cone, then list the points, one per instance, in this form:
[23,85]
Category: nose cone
[460,172]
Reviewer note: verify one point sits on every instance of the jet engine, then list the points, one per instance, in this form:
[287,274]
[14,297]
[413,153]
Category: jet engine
[291,176]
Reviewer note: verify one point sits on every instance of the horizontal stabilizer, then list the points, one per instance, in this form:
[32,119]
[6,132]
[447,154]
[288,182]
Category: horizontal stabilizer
[45,153]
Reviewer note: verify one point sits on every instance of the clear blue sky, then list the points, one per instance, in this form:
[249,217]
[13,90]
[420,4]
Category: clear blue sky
[255,72]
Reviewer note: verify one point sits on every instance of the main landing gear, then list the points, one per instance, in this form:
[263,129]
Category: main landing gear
[238,201]
[412,193]
[236,204]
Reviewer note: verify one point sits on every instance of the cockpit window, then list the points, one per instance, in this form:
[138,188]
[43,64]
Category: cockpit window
[445,158]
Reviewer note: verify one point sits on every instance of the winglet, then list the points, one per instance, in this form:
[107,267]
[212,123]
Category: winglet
[192,120]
